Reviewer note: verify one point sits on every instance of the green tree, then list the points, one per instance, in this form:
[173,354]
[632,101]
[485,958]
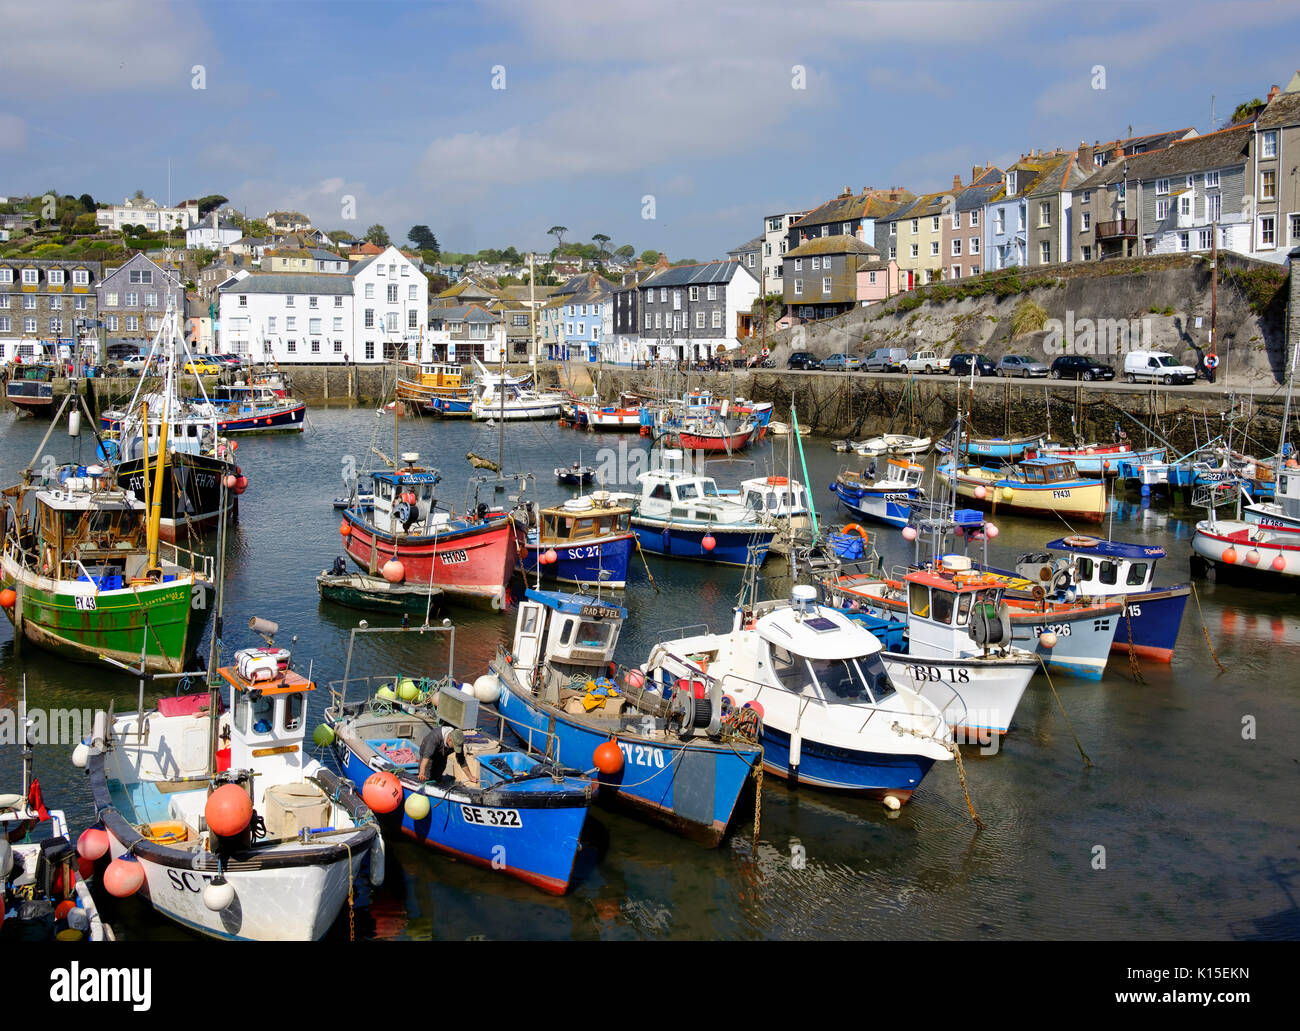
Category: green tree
[1246,110]
[625,253]
[210,203]
[423,239]
[557,232]
[600,240]
[340,234]
[378,235]
[87,202]
[649,257]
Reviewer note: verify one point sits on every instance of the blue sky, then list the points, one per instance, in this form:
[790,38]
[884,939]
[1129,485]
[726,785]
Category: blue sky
[605,102]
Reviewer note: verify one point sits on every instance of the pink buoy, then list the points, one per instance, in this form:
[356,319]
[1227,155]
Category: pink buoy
[93,843]
[990,531]
[909,533]
[231,480]
[635,678]
[550,557]
[756,706]
[960,531]
[1252,557]
[124,876]
[394,572]
[981,492]
[1279,562]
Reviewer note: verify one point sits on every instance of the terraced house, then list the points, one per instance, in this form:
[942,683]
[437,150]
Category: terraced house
[693,312]
[1006,216]
[1050,203]
[849,214]
[962,237]
[914,235]
[1168,200]
[821,276]
[1275,153]
[776,241]
[133,298]
[41,301]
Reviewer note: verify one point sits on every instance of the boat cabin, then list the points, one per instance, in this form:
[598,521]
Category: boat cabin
[82,532]
[1098,568]
[245,395]
[775,496]
[568,632]
[268,716]
[1047,470]
[941,603]
[582,520]
[404,498]
[435,374]
[188,432]
[821,654]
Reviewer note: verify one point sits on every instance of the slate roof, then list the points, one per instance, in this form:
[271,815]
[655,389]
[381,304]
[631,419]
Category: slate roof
[288,283]
[1223,149]
[840,244]
[748,245]
[860,205]
[463,313]
[1061,172]
[688,275]
[1284,110]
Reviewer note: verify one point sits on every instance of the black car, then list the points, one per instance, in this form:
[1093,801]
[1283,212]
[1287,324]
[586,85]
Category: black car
[960,365]
[1078,366]
[803,360]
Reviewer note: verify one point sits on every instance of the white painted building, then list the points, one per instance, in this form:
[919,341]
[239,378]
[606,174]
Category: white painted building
[213,234]
[148,213]
[776,229]
[366,316]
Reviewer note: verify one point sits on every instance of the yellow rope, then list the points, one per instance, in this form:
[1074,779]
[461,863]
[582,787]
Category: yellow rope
[1078,744]
[1206,630]
[1132,655]
[758,800]
[961,773]
[352,913]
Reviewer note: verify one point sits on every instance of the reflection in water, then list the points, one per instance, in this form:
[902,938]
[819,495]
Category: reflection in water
[1171,766]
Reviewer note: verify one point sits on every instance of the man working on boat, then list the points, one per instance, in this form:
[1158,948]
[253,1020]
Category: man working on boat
[438,745]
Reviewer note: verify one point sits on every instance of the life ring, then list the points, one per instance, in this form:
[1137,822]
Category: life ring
[1211,361]
[1080,541]
[855,528]
[778,481]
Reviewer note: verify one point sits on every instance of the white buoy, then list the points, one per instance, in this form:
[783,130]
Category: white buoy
[796,748]
[487,688]
[378,858]
[80,755]
[74,423]
[892,803]
[218,894]
[1047,640]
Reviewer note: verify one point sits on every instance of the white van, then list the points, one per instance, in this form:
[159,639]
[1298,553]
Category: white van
[1157,366]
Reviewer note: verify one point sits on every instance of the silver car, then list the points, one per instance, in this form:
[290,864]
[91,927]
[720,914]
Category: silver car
[1021,365]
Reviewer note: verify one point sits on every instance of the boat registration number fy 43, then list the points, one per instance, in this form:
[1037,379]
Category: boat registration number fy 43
[85,602]
[480,816]
[453,558]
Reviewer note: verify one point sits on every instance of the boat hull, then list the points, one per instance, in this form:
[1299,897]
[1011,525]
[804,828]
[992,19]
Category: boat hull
[603,562]
[976,695]
[891,506]
[725,442]
[540,850]
[680,540]
[288,419]
[1151,622]
[450,407]
[872,774]
[192,498]
[377,595]
[1211,543]
[475,562]
[689,787]
[78,623]
[1084,502]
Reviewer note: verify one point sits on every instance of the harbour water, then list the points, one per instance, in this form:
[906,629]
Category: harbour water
[1184,826]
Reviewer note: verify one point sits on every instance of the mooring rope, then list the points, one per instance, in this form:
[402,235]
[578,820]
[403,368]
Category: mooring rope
[1206,631]
[1087,763]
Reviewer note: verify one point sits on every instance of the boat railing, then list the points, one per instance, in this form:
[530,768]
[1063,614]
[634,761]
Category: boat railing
[196,562]
[681,632]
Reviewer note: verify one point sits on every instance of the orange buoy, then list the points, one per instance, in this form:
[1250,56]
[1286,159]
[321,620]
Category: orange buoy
[241,483]
[608,758]
[777,481]
[550,557]
[125,876]
[1279,562]
[62,910]
[8,598]
[345,528]
[382,792]
[394,572]
[228,810]
[709,542]
[92,843]
[756,706]
[1230,555]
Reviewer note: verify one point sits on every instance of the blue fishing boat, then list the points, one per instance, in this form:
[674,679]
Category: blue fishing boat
[501,808]
[450,406]
[1099,570]
[678,760]
[886,499]
[587,540]
[988,449]
[683,515]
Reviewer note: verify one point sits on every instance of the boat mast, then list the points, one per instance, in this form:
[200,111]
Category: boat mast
[214,645]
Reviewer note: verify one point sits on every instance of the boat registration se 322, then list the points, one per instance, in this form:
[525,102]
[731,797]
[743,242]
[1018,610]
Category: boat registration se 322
[480,816]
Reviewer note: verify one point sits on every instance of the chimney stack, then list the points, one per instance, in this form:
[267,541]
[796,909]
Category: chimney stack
[1085,156]
[956,181]
[1273,93]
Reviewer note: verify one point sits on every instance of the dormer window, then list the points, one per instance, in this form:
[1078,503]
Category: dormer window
[1011,182]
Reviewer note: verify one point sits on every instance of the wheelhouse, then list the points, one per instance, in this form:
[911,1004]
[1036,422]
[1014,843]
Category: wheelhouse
[1102,568]
[564,525]
[1048,471]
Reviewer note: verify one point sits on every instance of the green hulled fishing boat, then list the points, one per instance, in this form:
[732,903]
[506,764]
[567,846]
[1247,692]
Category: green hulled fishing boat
[84,575]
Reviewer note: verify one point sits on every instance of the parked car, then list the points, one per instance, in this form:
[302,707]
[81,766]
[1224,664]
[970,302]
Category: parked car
[885,359]
[229,361]
[840,360]
[1157,366]
[926,362]
[202,367]
[1078,366]
[1021,365]
[803,360]
[960,364]
[135,362]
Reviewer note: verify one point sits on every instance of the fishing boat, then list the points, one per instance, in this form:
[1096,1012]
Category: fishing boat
[407,540]
[1239,550]
[589,412]
[363,494]
[992,449]
[893,444]
[888,498]
[585,540]
[576,475]
[1099,459]
[713,435]
[426,382]
[197,458]
[503,397]
[254,841]
[830,715]
[254,409]
[783,429]
[451,407]
[676,759]
[1283,512]
[375,594]
[960,651]
[1050,487]
[502,809]
[778,499]
[40,874]
[30,388]
[1091,570]
[84,574]
[683,515]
